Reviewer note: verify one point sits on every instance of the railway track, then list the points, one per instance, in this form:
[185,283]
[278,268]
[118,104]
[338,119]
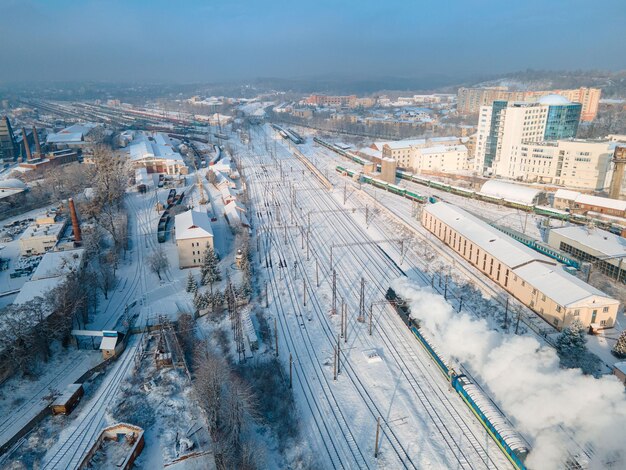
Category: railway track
[472,439]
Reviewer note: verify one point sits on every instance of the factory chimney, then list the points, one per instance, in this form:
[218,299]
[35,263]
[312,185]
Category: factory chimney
[75,225]
[26,144]
[37,144]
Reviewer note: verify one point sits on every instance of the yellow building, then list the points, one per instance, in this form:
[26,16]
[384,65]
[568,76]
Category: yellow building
[535,280]
[194,235]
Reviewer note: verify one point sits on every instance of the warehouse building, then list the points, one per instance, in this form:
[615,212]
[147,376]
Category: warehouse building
[514,192]
[194,235]
[157,155]
[605,250]
[535,280]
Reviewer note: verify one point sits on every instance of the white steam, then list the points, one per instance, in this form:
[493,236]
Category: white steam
[525,379]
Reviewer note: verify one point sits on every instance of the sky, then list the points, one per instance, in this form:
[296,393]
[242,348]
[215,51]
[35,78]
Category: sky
[191,41]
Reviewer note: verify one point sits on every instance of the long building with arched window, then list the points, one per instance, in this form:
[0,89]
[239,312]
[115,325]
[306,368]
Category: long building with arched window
[536,280]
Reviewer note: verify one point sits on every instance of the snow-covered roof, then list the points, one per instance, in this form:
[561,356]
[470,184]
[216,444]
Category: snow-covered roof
[566,194]
[590,200]
[443,149]
[42,230]
[370,152]
[563,288]
[38,288]
[234,215]
[510,191]
[192,224]
[144,149]
[400,144]
[488,238]
[142,177]
[12,183]
[108,343]
[621,366]
[58,263]
[598,240]
[601,202]
[72,134]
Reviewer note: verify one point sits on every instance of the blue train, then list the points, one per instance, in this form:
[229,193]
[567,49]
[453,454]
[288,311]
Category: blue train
[492,419]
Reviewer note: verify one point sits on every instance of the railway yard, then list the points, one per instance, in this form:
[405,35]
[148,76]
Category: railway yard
[372,387]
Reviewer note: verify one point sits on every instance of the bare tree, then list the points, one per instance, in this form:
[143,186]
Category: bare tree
[158,262]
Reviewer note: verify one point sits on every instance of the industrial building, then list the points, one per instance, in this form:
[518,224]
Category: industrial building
[40,238]
[76,136]
[194,235]
[578,203]
[535,280]
[605,250]
[157,155]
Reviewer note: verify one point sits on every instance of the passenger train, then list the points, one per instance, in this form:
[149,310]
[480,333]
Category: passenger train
[493,420]
[465,192]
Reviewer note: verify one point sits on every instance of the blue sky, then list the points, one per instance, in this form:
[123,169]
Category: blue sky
[191,41]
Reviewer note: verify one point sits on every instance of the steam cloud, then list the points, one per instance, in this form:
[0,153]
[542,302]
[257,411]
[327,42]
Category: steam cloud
[524,377]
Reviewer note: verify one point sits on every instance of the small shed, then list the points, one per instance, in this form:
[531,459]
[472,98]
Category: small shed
[112,344]
[65,403]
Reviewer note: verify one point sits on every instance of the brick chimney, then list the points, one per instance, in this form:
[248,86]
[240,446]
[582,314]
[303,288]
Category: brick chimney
[75,225]
[37,144]
[26,145]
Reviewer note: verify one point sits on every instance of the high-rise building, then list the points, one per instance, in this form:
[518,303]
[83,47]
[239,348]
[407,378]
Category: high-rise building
[470,100]
[8,146]
[504,124]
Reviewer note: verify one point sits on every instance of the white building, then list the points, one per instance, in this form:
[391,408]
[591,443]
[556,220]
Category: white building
[573,163]
[440,158]
[194,235]
[235,214]
[157,155]
[38,239]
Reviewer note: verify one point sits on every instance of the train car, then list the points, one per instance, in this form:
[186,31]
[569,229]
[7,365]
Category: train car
[509,440]
[551,212]
[412,195]
[171,196]
[392,188]
[379,183]
[489,415]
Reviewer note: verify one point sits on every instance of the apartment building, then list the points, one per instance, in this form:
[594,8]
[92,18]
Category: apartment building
[535,280]
[470,100]
[349,101]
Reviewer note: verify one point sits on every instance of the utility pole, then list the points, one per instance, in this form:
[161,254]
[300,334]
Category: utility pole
[506,312]
[334,308]
[290,370]
[377,436]
[342,325]
[519,314]
[304,290]
[276,336]
[361,317]
[334,362]
[338,356]
[317,273]
[345,189]
[308,239]
[345,323]
[445,289]
[331,257]
[371,315]
[460,303]
[367,213]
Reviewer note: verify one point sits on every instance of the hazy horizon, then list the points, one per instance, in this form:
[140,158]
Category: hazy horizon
[204,42]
